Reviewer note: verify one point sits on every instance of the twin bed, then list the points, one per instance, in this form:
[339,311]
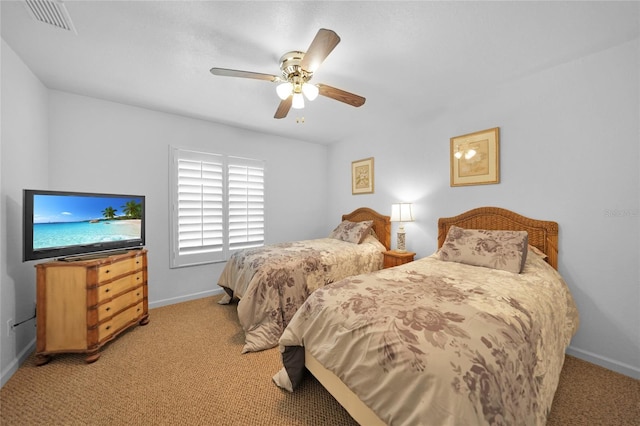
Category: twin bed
[271,282]
[473,334]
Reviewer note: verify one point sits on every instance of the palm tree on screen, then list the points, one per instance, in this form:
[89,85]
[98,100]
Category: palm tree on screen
[132,209]
[109,212]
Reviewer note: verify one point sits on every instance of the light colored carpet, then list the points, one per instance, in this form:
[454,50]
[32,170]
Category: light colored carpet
[185,368]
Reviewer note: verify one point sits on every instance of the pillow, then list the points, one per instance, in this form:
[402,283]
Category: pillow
[537,251]
[352,232]
[373,233]
[373,240]
[505,250]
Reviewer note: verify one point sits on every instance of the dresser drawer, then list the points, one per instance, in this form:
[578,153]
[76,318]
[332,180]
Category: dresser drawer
[114,306]
[118,286]
[116,323]
[115,269]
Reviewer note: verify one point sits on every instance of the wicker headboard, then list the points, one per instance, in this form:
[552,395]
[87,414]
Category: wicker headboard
[543,234]
[381,223]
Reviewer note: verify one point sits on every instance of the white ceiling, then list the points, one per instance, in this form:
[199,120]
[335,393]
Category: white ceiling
[409,59]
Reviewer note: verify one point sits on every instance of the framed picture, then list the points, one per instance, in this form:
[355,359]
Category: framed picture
[475,158]
[362,176]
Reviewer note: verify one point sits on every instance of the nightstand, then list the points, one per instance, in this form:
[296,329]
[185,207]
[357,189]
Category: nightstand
[395,258]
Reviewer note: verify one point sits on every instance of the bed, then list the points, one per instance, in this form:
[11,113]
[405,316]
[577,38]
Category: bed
[271,282]
[442,340]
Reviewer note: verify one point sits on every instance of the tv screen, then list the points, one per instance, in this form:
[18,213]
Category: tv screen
[62,224]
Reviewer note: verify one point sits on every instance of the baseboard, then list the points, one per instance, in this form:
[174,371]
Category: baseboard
[609,364]
[17,362]
[185,298]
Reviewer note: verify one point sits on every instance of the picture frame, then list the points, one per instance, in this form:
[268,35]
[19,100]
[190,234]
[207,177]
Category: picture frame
[475,158]
[362,176]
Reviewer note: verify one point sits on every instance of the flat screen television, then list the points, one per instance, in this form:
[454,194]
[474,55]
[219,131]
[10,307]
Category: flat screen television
[62,224]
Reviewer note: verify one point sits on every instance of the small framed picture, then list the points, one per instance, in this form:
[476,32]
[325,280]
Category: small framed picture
[475,158]
[362,176]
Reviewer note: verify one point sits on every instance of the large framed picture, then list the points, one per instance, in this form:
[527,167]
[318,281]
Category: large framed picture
[362,176]
[475,158]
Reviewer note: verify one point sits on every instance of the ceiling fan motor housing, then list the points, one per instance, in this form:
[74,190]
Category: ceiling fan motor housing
[292,71]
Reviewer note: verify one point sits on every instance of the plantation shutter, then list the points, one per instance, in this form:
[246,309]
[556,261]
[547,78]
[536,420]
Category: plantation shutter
[246,203]
[217,206]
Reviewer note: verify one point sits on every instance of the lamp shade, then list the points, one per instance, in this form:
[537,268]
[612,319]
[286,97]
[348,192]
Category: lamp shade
[298,101]
[284,90]
[401,212]
[310,91]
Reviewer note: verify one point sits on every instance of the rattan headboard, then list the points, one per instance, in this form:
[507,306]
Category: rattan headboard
[381,223]
[543,234]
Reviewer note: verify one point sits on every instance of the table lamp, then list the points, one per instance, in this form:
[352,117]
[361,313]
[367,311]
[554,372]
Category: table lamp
[401,212]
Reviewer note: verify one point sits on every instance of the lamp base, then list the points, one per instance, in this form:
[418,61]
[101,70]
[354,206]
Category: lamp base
[401,241]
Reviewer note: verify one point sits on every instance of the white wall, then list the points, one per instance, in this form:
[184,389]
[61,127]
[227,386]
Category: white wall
[569,153]
[62,141]
[24,164]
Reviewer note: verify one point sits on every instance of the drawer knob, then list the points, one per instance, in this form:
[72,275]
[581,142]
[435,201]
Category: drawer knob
[106,290]
[108,309]
[108,327]
[107,271]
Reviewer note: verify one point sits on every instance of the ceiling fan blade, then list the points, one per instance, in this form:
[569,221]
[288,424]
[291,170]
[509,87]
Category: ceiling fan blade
[225,72]
[284,107]
[324,42]
[341,95]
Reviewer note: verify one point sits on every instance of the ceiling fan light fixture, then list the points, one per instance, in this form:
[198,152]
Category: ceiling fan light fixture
[298,101]
[284,90]
[310,91]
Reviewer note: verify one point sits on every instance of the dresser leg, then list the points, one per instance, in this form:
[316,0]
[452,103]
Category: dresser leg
[42,359]
[144,320]
[92,357]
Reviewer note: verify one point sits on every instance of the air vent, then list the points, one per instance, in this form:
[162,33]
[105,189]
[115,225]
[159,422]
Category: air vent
[51,12]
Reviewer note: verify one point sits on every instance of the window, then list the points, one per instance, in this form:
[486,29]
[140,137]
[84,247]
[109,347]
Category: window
[217,206]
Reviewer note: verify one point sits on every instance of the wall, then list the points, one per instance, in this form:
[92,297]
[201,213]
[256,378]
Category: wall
[24,164]
[62,141]
[569,153]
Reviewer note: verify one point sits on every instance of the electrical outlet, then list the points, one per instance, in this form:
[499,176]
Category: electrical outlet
[10,330]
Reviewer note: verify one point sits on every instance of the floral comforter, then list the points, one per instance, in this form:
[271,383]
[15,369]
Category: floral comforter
[440,343]
[273,281]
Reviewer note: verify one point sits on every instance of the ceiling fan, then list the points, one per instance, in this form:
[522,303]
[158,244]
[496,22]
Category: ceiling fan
[297,69]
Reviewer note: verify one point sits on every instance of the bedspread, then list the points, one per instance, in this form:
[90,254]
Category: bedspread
[434,342]
[273,281]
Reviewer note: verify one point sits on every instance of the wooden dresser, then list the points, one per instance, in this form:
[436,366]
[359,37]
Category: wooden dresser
[83,304]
